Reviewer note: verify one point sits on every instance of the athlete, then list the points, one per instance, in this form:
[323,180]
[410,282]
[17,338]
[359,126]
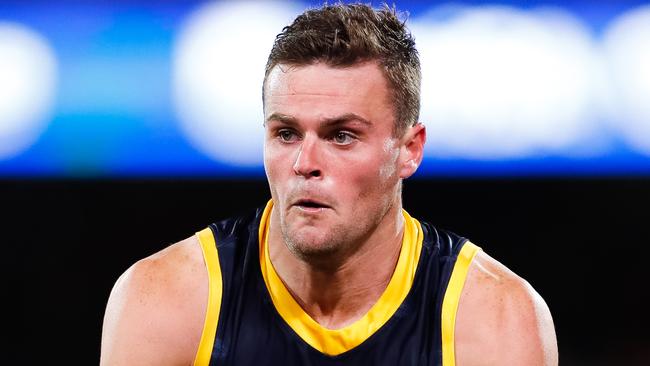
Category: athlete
[332,271]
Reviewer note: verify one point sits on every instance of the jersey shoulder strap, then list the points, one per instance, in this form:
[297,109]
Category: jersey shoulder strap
[215,291]
[225,245]
[464,257]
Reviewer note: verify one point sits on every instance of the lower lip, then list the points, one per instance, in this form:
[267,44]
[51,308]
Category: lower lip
[311,209]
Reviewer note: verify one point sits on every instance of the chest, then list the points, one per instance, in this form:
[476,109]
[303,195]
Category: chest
[251,330]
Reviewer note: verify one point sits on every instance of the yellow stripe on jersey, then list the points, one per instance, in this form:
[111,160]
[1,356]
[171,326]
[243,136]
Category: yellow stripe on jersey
[336,341]
[451,299]
[215,290]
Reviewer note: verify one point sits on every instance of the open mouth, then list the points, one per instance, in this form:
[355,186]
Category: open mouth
[310,205]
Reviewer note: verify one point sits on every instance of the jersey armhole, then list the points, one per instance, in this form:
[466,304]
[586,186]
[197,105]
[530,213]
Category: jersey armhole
[215,290]
[451,300]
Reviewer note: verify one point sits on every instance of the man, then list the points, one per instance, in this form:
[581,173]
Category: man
[332,270]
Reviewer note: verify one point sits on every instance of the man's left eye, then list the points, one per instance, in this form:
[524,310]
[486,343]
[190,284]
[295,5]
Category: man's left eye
[343,138]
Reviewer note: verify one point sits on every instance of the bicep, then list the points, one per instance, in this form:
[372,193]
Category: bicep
[128,332]
[528,333]
[542,330]
[139,323]
[502,320]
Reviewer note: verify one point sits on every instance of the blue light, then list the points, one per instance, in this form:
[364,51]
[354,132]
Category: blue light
[115,112]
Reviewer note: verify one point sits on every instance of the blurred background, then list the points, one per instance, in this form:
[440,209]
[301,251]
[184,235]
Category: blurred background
[128,125]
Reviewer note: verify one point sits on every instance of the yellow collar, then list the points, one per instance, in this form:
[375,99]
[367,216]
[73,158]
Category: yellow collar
[336,341]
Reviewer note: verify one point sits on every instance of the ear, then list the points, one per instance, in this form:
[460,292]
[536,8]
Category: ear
[412,150]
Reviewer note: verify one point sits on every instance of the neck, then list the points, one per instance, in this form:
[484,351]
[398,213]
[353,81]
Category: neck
[339,290]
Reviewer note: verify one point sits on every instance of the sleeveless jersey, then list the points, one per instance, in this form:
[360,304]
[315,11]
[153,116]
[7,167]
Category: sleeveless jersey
[252,319]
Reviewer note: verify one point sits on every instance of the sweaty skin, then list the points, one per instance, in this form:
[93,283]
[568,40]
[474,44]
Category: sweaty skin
[335,173]
[502,320]
[330,143]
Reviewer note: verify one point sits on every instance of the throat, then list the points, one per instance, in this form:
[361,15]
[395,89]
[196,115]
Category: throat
[334,302]
[337,296]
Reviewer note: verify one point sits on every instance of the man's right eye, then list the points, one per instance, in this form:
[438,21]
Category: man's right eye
[287,135]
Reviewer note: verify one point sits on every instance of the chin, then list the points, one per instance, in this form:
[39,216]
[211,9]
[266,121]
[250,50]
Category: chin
[311,244]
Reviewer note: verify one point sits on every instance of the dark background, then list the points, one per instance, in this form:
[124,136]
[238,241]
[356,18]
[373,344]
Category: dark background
[582,243]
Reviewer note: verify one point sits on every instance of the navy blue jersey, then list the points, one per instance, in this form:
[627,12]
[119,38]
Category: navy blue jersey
[253,320]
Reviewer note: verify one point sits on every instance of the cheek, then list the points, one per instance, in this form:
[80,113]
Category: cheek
[387,171]
[272,168]
[376,179]
[274,158]
[388,165]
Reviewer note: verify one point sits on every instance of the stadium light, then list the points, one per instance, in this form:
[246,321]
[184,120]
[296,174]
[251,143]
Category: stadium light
[219,61]
[28,73]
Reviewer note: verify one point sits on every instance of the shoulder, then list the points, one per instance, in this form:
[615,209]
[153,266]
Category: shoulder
[156,309]
[502,320]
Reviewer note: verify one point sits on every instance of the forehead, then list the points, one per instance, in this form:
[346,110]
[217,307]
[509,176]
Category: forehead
[320,88]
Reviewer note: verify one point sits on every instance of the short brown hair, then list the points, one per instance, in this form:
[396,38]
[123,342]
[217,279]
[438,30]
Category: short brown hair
[342,35]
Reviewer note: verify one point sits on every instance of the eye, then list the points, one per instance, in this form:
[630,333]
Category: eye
[287,135]
[343,138]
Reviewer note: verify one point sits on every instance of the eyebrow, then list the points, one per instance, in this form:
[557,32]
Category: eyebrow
[281,118]
[329,122]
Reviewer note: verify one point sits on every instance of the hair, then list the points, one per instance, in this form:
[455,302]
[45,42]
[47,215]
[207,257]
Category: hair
[343,35]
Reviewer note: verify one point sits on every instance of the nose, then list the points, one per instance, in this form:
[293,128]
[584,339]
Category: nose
[307,162]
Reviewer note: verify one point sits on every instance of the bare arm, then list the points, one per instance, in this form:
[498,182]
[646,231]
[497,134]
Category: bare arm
[502,320]
[156,310]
